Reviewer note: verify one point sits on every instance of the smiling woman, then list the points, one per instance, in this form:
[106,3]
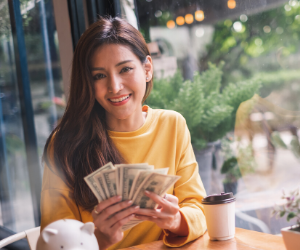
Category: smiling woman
[119,79]
[105,121]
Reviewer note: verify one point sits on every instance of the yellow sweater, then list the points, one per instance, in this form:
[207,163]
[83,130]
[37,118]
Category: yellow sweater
[163,141]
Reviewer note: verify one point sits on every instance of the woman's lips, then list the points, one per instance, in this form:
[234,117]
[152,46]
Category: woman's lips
[120,100]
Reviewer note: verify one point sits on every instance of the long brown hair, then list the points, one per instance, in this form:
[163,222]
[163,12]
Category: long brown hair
[80,144]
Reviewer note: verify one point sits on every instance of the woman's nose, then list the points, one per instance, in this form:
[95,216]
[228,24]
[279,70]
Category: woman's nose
[115,84]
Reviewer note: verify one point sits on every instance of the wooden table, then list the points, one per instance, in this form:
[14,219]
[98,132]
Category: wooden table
[244,240]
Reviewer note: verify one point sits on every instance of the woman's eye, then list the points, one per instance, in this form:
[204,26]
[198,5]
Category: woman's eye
[126,69]
[98,76]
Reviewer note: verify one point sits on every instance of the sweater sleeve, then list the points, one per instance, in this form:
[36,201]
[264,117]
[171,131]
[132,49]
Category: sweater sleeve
[189,190]
[56,201]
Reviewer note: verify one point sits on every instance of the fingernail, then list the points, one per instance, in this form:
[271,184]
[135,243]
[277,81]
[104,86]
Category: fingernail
[136,208]
[129,202]
[147,192]
[119,197]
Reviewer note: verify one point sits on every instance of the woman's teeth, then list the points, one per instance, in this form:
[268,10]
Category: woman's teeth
[119,99]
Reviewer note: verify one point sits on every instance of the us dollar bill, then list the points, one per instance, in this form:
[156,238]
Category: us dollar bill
[118,170]
[90,181]
[107,166]
[127,174]
[156,183]
[94,184]
[110,182]
[141,177]
[100,181]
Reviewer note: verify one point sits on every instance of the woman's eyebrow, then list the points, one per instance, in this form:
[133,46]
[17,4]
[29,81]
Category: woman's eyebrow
[93,69]
[118,64]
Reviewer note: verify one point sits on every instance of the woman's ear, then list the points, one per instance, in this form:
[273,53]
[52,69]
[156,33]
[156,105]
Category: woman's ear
[148,66]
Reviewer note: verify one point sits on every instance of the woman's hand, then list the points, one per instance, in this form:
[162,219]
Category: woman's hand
[166,216]
[109,217]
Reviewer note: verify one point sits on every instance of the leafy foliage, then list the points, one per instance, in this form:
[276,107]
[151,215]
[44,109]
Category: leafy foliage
[209,112]
[261,37]
[291,208]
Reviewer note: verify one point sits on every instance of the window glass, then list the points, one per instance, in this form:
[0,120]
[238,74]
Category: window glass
[232,69]
[43,66]
[16,211]
[14,176]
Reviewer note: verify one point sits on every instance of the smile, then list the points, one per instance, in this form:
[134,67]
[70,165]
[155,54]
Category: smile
[119,101]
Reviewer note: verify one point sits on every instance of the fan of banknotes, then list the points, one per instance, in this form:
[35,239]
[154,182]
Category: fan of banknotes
[130,181]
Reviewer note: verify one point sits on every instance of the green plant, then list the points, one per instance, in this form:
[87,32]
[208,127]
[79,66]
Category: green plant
[291,208]
[209,111]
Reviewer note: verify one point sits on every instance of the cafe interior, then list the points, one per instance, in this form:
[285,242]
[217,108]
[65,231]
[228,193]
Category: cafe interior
[250,148]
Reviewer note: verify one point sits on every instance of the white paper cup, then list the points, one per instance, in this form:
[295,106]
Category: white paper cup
[220,216]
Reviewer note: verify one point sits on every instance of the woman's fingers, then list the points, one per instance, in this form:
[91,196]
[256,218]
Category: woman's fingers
[105,204]
[107,213]
[120,223]
[166,205]
[144,217]
[153,213]
[122,214]
[171,198]
[112,211]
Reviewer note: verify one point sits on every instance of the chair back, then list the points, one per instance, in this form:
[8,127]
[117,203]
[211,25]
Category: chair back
[31,235]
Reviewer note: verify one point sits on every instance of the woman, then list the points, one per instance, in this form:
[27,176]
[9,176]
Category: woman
[105,121]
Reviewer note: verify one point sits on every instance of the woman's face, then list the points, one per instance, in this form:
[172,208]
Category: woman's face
[120,80]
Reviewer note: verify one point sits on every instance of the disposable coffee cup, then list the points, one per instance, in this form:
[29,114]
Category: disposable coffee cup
[219,211]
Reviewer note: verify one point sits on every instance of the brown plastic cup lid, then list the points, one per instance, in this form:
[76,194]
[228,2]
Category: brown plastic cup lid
[218,199]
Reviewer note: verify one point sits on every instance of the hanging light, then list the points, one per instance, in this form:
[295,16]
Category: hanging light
[171,24]
[231,4]
[189,18]
[199,15]
[180,20]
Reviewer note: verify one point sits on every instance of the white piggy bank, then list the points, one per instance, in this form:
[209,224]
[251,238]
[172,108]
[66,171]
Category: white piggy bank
[68,235]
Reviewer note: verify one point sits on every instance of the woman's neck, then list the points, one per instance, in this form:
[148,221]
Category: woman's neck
[129,124]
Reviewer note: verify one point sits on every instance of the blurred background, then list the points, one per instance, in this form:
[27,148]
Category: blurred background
[230,67]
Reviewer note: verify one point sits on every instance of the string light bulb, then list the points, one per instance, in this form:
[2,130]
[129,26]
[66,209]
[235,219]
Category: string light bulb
[231,4]
[180,20]
[189,18]
[171,24]
[199,15]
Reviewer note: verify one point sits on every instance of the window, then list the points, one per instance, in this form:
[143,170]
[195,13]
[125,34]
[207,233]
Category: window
[47,100]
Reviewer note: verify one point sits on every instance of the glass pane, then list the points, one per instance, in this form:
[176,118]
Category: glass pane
[16,210]
[47,99]
[232,69]
[43,66]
